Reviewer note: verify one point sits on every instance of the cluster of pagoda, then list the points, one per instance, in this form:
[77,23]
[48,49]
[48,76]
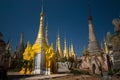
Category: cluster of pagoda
[41,58]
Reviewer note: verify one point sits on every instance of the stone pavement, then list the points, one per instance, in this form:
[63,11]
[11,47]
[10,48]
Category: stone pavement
[40,77]
[17,76]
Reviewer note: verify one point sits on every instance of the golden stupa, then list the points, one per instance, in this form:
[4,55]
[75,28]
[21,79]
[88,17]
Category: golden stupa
[39,46]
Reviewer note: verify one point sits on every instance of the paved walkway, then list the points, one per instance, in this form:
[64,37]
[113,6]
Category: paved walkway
[39,77]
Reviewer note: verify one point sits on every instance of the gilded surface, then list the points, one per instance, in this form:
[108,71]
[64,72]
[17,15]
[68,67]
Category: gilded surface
[39,45]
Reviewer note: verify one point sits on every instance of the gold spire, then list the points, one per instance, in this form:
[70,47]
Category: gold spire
[106,47]
[41,30]
[70,51]
[58,46]
[41,27]
[65,50]
[73,52]
[40,40]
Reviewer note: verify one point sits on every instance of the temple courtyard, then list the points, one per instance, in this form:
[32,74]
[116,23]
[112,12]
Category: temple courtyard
[65,76]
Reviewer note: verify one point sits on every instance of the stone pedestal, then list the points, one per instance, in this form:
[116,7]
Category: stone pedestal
[62,67]
[39,67]
[47,72]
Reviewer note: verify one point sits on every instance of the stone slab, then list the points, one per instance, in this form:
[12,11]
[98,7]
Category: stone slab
[39,77]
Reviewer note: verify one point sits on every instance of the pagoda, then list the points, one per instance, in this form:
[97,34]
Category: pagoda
[93,45]
[40,55]
[94,59]
[40,46]
[58,47]
[66,53]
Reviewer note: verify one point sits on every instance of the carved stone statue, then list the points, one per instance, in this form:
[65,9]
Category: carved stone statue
[116,23]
